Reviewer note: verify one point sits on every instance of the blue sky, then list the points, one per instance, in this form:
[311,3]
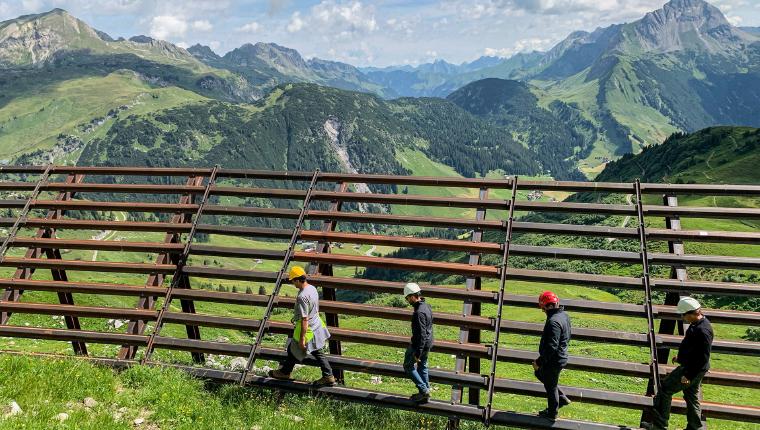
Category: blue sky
[365,32]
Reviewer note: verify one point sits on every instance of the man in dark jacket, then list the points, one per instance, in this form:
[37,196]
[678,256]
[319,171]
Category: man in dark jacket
[693,360]
[415,360]
[552,353]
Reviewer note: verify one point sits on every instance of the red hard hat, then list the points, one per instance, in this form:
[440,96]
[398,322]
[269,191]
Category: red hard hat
[547,297]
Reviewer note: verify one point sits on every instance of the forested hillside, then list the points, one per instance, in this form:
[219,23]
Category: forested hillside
[305,126]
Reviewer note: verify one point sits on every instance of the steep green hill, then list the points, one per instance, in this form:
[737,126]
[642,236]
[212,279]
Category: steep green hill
[712,155]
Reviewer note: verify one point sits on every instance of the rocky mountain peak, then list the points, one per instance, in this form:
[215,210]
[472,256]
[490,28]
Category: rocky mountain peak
[271,54]
[203,52]
[34,39]
[687,25]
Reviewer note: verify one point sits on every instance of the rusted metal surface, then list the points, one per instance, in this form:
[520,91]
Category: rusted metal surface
[266,225]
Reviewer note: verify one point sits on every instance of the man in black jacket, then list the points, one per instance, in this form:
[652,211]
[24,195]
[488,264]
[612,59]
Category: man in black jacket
[693,360]
[552,353]
[415,360]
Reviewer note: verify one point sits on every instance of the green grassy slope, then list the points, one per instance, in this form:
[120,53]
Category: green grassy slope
[169,400]
[713,155]
[34,121]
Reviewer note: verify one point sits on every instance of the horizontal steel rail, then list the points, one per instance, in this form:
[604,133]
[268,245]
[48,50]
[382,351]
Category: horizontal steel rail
[742,263]
[570,186]
[389,199]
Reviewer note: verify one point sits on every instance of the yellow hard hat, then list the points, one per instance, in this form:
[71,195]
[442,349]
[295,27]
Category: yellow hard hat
[296,272]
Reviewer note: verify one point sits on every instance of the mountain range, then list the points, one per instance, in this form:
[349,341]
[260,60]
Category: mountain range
[592,98]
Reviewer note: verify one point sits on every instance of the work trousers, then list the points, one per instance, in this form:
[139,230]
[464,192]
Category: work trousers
[671,385]
[549,376]
[324,365]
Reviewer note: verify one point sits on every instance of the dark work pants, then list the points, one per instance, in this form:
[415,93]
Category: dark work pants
[549,376]
[671,385]
[290,362]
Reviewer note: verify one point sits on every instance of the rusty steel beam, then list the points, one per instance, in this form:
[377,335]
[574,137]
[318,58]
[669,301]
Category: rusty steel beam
[741,263]
[471,310]
[81,287]
[87,266]
[96,245]
[399,264]
[71,335]
[570,186]
[77,310]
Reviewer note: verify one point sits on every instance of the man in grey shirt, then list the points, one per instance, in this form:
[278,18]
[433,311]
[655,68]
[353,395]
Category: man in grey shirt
[309,334]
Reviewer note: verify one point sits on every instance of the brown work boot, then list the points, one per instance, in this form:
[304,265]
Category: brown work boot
[325,381]
[278,374]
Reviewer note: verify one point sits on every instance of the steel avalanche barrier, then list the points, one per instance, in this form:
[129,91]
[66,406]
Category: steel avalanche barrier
[183,268]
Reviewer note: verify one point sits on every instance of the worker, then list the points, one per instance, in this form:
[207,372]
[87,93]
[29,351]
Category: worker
[415,359]
[693,361]
[552,353]
[309,333]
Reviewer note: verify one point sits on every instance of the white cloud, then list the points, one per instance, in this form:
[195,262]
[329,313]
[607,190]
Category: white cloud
[183,45]
[353,15]
[522,45]
[337,18]
[296,23]
[202,25]
[494,52]
[251,27]
[165,26]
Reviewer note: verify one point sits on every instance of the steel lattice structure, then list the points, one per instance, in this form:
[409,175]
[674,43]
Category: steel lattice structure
[310,206]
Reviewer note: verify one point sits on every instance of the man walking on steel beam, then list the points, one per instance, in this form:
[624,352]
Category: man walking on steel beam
[552,353]
[309,334]
[693,360]
[415,359]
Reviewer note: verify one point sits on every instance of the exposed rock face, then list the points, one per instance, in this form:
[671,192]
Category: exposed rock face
[688,24]
[34,39]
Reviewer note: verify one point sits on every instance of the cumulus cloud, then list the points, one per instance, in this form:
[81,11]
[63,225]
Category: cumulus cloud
[202,25]
[475,10]
[522,45]
[296,23]
[251,27]
[166,26]
[336,17]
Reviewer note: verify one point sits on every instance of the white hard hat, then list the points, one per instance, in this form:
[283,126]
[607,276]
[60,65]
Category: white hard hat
[687,304]
[411,288]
